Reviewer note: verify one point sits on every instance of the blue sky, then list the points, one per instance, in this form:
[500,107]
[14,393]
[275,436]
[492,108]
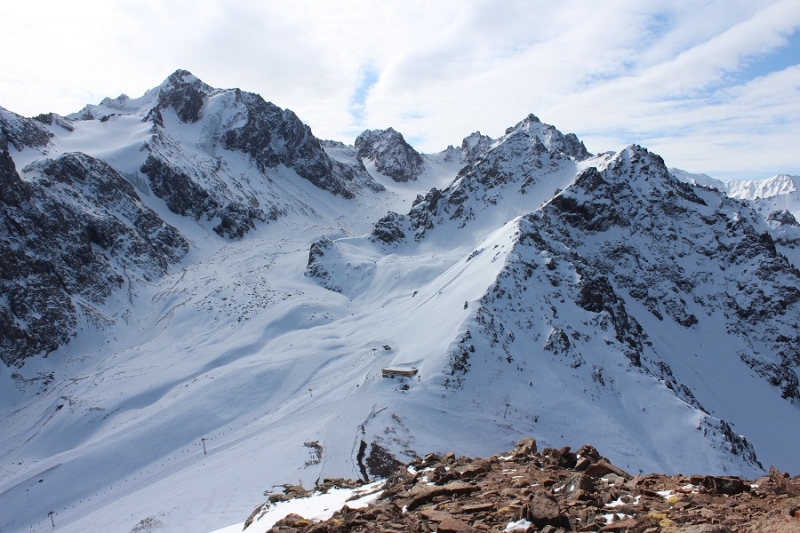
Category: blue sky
[712,86]
[358,103]
[778,59]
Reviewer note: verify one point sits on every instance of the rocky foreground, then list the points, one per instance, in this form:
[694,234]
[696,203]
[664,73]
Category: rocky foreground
[553,491]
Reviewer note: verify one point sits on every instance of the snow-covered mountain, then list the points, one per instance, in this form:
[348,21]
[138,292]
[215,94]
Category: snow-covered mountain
[75,236]
[769,195]
[776,198]
[390,153]
[199,298]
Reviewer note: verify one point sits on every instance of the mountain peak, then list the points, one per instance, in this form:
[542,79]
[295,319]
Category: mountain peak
[182,76]
[184,92]
[780,184]
[181,79]
[546,134]
[391,154]
[531,118]
[474,146]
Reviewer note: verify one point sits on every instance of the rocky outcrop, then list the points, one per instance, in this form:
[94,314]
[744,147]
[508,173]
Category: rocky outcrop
[599,273]
[272,136]
[21,132]
[560,490]
[389,229]
[783,217]
[71,234]
[185,94]
[391,154]
[643,227]
[474,147]
[185,196]
[316,264]
[52,119]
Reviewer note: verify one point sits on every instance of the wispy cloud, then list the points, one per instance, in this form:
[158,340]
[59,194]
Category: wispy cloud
[712,86]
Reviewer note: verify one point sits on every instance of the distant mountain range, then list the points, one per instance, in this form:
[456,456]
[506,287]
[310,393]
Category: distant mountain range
[199,297]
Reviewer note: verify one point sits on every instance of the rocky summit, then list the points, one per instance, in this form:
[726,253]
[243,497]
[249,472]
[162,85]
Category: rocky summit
[556,491]
[390,153]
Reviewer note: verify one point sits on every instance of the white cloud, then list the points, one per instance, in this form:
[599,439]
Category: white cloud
[658,73]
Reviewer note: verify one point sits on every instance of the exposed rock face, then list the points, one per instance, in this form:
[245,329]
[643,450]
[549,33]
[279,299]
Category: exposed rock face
[390,152]
[631,237]
[53,119]
[71,234]
[269,135]
[272,136]
[185,94]
[20,132]
[185,196]
[316,264]
[544,491]
[627,230]
[474,147]
[75,230]
[624,253]
[783,217]
[389,229]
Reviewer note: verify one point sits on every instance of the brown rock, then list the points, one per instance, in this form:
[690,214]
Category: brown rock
[543,510]
[602,467]
[725,485]
[587,450]
[474,469]
[431,458]
[293,520]
[582,464]
[478,507]
[256,512]
[538,487]
[435,516]
[384,510]
[697,528]
[525,447]
[454,525]
[421,494]
[567,459]
[620,525]
[583,482]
